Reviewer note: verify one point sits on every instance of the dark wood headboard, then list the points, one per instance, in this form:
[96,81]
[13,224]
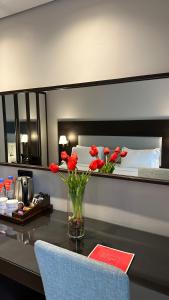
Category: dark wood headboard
[146,128]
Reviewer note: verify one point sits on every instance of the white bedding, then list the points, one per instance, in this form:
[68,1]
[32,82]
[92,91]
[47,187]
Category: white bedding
[118,170]
[131,165]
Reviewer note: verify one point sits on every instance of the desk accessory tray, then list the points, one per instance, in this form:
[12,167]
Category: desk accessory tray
[27,216]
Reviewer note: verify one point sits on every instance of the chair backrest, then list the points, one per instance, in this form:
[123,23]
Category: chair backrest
[70,276]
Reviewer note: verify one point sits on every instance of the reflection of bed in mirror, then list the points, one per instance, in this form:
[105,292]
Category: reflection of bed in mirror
[143,152]
[147,142]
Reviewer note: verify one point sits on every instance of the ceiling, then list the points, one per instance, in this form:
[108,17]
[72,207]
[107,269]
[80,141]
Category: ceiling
[10,7]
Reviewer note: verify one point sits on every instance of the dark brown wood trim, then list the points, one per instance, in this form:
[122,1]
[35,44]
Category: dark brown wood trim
[110,176]
[28,123]
[17,129]
[47,139]
[24,166]
[38,127]
[21,275]
[91,83]
[5,131]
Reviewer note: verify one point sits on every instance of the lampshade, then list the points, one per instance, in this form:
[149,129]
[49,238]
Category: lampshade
[24,138]
[63,140]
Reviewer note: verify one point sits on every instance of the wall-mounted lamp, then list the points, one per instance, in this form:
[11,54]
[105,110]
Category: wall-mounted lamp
[63,140]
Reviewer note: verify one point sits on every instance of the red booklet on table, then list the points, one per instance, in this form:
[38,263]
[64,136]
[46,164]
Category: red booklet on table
[111,256]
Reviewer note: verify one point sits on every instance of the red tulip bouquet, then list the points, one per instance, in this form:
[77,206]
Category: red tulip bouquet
[76,183]
[111,159]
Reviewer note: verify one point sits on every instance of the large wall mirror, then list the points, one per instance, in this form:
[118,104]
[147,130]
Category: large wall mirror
[36,125]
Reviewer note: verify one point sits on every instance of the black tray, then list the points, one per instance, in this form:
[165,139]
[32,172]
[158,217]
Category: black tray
[30,214]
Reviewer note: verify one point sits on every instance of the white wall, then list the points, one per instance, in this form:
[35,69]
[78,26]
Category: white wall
[133,100]
[75,41]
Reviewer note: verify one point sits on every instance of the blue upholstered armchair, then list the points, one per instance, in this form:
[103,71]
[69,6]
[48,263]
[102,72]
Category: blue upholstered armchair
[69,276]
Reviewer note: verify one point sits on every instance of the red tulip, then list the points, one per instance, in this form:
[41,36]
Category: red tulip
[117,150]
[100,163]
[93,151]
[106,150]
[54,168]
[93,165]
[71,164]
[64,156]
[113,157]
[123,153]
[74,156]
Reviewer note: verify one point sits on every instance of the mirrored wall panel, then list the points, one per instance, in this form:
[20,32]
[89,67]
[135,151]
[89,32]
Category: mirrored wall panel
[35,127]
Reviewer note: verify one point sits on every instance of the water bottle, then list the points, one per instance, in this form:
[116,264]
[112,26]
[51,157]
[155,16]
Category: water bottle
[2,188]
[10,187]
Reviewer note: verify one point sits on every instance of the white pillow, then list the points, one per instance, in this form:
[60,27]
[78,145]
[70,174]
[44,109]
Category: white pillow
[84,156]
[146,158]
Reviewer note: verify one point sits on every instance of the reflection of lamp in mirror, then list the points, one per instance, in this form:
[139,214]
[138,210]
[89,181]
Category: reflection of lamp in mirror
[24,147]
[62,145]
[34,136]
[72,137]
[24,138]
[63,140]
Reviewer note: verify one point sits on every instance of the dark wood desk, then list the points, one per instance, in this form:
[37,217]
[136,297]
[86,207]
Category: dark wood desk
[150,267]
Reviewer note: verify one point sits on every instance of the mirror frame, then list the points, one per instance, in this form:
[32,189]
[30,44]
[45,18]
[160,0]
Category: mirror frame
[90,84]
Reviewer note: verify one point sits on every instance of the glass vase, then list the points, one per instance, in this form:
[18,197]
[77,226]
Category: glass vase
[75,213]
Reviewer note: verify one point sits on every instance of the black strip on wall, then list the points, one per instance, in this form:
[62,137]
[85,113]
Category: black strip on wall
[28,122]
[38,127]
[17,129]
[5,131]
